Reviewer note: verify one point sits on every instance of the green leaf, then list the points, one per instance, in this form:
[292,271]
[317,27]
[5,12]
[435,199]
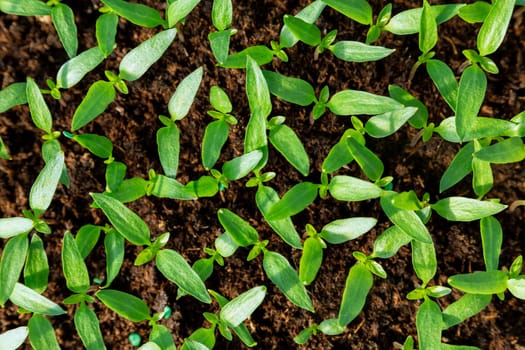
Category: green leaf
[168,143]
[205,186]
[371,165]
[239,167]
[220,46]
[178,10]
[429,322]
[15,226]
[482,179]
[357,285]
[355,51]
[491,239]
[106,31]
[475,12]
[302,30]
[495,26]
[37,107]
[86,239]
[161,336]
[41,333]
[141,58]
[516,287]
[166,187]
[138,14]
[14,338]
[386,124]
[428,34]
[97,99]
[257,90]
[64,21]
[114,246]
[286,142]
[339,155]
[175,268]
[181,101]
[12,95]
[424,260]
[353,189]
[124,304]
[331,326]
[129,224]
[343,230]
[215,137]
[460,167]
[242,306]
[510,150]
[25,7]
[221,14]
[220,100]
[259,53]
[308,14]
[480,282]
[281,273]
[240,230]
[406,220]
[129,190]
[354,102]
[294,201]
[444,80]
[149,346]
[265,198]
[311,260]
[28,299]
[88,328]
[471,93]
[466,209]
[11,265]
[46,183]
[36,269]
[290,89]
[71,72]
[466,306]
[115,174]
[75,270]
[389,242]
[358,10]
[408,21]
[100,146]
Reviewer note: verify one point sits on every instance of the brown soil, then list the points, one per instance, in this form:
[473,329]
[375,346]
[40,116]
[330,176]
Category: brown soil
[30,47]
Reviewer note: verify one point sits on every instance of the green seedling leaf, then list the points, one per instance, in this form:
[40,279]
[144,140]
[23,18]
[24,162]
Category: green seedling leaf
[371,165]
[491,239]
[406,220]
[290,89]
[124,304]
[15,226]
[343,230]
[14,338]
[482,179]
[222,14]
[516,287]
[282,274]
[46,183]
[205,186]
[114,246]
[215,137]
[424,260]
[306,32]
[161,336]
[408,22]
[37,107]
[11,265]
[331,326]
[239,167]
[311,259]
[194,345]
[357,286]
[475,12]
[428,34]
[168,143]
[386,124]
[175,268]
[355,51]
[259,53]
[97,99]
[75,270]
[139,14]
[86,239]
[460,167]
[389,242]
[308,14]
[178,10]
[12,95]
[181,101]
[429,322]
[115,174]
[286,142]
[495,26]
[220,100]
[36,269]
[141,58]
[465,307]
[471,93]
[352,189]
[100,146]
[294,201]
[28,299]
[241,307]
[64,21]
[480,282]
[354,102]
[25,7]
[257,89]
[240,230]
[71,72]
[359,10]
[149,346]
[466,209]
[130,190]
[106,31]
[338,157]
[510,150]
[127,223]
[220,45]
[88,328]
[41,333]
[444,80]
[166,187]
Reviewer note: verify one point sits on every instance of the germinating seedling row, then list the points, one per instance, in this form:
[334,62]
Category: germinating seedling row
[24,267]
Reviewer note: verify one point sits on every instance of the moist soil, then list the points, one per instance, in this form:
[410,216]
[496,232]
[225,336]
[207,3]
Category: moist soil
[29,46]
